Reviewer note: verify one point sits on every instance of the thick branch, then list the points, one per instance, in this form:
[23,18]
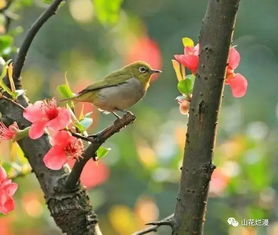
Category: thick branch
[97,141]
[215,39]
[20,58]
[72,211]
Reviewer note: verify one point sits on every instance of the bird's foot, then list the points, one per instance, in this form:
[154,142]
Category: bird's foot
[116,115]
[126,112]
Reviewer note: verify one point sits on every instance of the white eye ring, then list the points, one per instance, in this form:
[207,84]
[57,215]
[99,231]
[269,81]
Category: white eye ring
[143,69]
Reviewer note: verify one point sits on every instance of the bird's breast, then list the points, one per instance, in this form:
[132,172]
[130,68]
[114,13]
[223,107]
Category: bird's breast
[121,96]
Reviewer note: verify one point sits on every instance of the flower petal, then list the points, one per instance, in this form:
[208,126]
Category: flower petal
[34,112]
[238,85]
[7,206]
[3,174]
[55,158]
[62,138]
[61,121]
[10,188]
[189,61]
[234,58]
[37,129]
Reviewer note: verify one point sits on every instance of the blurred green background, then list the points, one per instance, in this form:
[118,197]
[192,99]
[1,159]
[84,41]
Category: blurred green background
[138,181]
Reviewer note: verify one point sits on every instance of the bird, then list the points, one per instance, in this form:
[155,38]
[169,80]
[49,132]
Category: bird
[119,90]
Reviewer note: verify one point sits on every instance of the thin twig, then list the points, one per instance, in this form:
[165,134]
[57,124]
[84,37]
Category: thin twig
[97,141]
[82,137]
[169,221]
[20,58]
[11,100]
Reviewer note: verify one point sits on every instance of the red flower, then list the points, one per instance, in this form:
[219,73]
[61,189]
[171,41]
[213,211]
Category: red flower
[64,147]
[190,58]
[44,114]
[7,190]
[8,133]
[236,81]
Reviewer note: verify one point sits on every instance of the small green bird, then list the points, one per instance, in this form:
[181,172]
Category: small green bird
[119,90]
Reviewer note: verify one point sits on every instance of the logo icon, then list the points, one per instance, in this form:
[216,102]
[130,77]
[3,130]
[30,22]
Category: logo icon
[232,221]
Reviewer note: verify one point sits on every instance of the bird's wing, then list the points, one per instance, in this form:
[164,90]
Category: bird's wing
[112,80]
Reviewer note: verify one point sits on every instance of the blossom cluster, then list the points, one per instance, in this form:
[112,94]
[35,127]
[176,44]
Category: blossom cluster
[47,116]
[58,122]
[7,190]
[190,60]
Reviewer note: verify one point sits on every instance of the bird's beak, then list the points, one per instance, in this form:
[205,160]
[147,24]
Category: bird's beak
[156,71]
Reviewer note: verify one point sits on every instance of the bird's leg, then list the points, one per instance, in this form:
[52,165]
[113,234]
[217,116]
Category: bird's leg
[125,111]
[116,115]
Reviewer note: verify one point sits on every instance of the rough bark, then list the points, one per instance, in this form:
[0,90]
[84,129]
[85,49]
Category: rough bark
[69,206]
[215,39]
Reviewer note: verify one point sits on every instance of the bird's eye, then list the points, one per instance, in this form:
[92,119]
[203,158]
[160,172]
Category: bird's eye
[143,69]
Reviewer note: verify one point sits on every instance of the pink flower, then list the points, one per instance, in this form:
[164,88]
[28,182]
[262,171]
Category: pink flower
[236,81]
[7,190]
[64,147]
[44,114]
[8,133]
[190,58]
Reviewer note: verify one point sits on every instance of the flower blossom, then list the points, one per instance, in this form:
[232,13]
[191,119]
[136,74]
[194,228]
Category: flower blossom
[64,147]
[190,58]
[46,114]
[8,133]
[7,190]
[237,82]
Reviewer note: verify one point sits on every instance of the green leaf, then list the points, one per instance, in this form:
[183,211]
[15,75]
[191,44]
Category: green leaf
[19,92]
[47,1]
[2,83]
[79,126]
[6,42]
[65,91]
[186,86]
[107,12]
[102,152]
[187,42]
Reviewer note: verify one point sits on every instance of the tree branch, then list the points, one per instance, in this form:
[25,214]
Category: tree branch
[215,39]
[169,221]
[20,58]
[72,211]
[96,142]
